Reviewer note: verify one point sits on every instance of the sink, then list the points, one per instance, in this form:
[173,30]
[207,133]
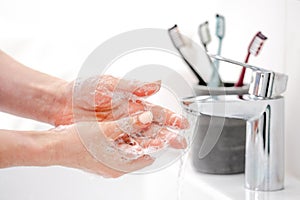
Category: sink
[48,183]
[195,186]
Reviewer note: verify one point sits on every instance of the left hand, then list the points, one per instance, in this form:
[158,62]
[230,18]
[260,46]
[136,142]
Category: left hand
[106,98]
[101,96]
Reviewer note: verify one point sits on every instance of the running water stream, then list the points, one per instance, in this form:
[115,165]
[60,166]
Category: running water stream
[180,177]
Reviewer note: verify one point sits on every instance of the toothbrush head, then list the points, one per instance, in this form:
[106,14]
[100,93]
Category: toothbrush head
[256,43]
[179,43]
[220,28]
[204,33]
[176,37]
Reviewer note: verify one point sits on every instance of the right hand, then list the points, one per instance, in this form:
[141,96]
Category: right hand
[114,148]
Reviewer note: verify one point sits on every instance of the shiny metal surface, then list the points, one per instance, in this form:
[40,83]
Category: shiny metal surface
[263,108]
[264,83]
[264,168]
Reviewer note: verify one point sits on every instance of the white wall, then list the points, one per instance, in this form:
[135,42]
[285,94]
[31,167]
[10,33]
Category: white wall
[56,36]
[92,22]
[293,93]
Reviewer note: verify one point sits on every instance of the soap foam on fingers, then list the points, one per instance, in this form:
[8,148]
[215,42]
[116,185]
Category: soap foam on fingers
[146,117]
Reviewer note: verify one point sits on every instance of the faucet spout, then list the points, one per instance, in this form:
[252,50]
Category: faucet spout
[264,167]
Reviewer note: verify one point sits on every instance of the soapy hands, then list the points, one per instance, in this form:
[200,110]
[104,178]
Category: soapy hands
[102,124]
[117,127]
[114,148]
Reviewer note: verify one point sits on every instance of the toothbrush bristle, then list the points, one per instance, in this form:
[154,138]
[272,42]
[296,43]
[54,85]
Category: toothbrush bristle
[204,33]
[220,29]
[176,37]
[261,36]
[257,43]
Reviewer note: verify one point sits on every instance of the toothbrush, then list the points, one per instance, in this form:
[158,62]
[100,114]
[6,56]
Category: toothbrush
[179,44]
[204,34]
[220,33]
[254,49]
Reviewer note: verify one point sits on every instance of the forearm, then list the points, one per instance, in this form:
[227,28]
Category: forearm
[60,146]
[28,148]
[29,93]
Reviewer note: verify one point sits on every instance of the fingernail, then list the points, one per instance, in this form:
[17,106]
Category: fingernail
[148,88]
[157,86]
[145,117]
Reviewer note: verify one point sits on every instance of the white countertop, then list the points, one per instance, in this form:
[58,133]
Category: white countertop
[232,186]
[197,186]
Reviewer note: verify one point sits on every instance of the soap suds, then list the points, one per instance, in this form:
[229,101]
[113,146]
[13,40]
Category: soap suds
[145,117]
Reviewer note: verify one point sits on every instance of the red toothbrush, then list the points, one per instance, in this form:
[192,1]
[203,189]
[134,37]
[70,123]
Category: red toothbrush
[254,48]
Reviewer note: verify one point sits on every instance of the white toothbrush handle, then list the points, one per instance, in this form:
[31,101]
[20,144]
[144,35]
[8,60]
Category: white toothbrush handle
[215,80]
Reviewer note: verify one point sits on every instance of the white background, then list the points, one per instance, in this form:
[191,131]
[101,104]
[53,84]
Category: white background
[56,36]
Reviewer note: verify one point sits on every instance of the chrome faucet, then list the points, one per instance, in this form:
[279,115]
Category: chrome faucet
[263,108]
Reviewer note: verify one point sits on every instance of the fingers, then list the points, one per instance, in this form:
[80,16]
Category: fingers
[156,138]
[168,118]
[130,157]
[128,146]
[175,141]
[161,116]
[111,92]
[138,88]
[130,125]
[147,89]
[121,103]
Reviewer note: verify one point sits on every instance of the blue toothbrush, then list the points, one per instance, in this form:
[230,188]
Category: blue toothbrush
[215,80]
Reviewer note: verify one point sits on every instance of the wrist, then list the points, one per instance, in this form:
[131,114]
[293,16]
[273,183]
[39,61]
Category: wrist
[61,102]
[49,147]
[45,148]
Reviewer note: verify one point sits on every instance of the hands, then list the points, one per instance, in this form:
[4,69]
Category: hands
[100,114]
[109,114]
